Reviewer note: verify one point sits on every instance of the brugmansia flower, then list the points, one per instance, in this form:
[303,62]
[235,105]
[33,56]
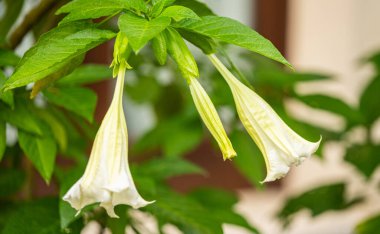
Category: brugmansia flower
[280,145]
[107,178]
[210,117]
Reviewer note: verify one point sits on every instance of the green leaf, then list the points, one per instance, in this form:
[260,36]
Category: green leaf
[8,58]
[139,30]
[333,105]
[366,158]
[41,151]
[181,54]
[159,5]
[138,5]
[7,96]
[234,32]
[13,9]
[3,139]
[81,101]
[160,48]
[54,49]
[370,101]
[21,117]
[11,181]
[206,44]
[185,213]
[368,226]
[39,216]
[86,74]
[179,13]
[318,201]
[199,8]
[281,79]
[164,168]
[83,9]
[67,69]
[249,160]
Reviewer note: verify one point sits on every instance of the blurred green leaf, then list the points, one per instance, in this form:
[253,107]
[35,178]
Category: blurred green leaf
[366,158]
[333,105]
[317,201]
[184,212]
[80,9]
[370,101]
[368,226]
[234,32]
[163,168]
[54,49]
[249,160]
[39,216]
[281,79]
[139,30]
[11,181]
[41,151]
[146,89]
[8,57]
[117,226]
[6,97]
[85,74]
[81,101]
[21,117]
[221,203]
[12,11]
[198,7]
[3,139]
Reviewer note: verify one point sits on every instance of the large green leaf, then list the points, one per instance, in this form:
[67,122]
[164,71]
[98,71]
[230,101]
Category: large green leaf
[39,216]
[139,30]
[249,160]
[369,226]
[160,48]
[8,58]
[366,158]
[54,49]
[318,201]
[333,105]
[3,139]
[206,44]
[370,101]
[41,151]
[83,9]
[159,5]
[89,73]
[233,32]
[81,101]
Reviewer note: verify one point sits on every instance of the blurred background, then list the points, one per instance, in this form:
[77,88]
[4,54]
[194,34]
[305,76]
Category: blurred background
[334,92]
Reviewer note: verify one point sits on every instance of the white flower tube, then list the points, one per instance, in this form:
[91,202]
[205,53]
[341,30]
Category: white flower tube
[211,118]
[280,145]
[107,178]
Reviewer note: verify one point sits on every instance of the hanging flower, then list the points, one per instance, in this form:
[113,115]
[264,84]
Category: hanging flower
[107,178]
[280,145]
[210,117]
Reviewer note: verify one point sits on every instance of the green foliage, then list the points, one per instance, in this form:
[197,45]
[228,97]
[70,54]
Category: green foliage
[39,216]
[3,139]
[10,181]
[368,226]
[139,30]
[8,58]
[160,49]
[80,9]
[14,8]
[86,74]
[54,49]
[317,201]
[199,8]
[233,32]
[365,158]
[179,13]
[81,101]
[370,101]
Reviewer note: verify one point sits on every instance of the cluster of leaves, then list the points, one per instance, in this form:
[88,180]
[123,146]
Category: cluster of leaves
[364,156]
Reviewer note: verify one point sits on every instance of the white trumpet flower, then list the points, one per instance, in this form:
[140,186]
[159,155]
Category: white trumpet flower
[107,178]
[211,118]
[280,145]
